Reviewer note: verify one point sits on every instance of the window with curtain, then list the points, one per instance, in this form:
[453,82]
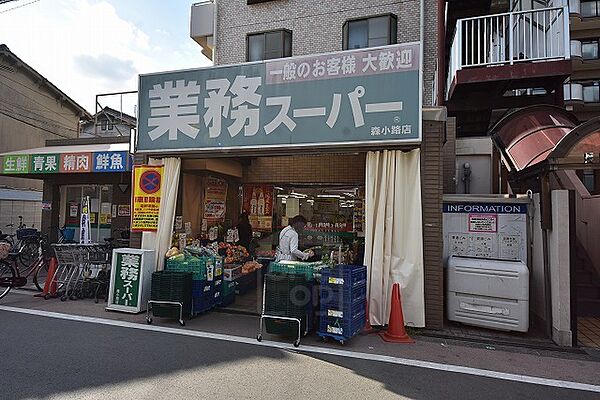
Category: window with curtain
[589,49]
[370,32]
[269,45]
[591,93]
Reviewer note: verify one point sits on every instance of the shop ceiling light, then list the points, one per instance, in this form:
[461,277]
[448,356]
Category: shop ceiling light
[331,196]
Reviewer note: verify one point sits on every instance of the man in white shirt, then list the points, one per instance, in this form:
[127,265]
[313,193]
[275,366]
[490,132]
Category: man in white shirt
[288,241]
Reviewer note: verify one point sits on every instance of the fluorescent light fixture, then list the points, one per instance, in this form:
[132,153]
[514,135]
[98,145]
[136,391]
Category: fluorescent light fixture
[299,195]
[329,196]
[277,188]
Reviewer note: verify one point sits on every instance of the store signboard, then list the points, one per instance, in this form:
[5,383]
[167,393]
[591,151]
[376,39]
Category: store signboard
[105,161]
[485,229]
[75,162]
[44,163]
[258,203]
[18,164]
[130,279]
[147,180]
[358,97]
[215,199]
[111,161]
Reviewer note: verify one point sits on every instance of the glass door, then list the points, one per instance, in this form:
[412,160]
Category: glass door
[100,210]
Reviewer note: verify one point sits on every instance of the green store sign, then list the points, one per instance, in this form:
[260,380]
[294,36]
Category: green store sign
[127,279]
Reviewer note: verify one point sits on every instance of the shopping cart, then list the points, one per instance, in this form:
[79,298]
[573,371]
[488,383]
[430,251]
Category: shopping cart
[283,309]
[79,266]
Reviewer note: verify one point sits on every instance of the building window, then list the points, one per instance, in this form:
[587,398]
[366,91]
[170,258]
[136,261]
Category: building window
[110,126]
[589,180]
[269,45]
[589,49]
[103,125]
[370,32]
[590,8]
[591,93]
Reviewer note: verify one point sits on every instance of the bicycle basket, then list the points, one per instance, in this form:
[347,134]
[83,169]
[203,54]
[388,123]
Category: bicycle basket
[4,250]
[26,233]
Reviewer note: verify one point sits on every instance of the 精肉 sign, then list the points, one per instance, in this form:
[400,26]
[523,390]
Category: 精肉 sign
[360,97]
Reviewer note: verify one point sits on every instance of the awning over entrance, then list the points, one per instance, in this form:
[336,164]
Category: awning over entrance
[527,136]
[77,158]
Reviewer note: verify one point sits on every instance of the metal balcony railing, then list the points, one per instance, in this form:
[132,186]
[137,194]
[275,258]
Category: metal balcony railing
[508,38]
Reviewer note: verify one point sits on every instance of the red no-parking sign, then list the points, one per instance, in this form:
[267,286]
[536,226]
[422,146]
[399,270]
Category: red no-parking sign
[146,197]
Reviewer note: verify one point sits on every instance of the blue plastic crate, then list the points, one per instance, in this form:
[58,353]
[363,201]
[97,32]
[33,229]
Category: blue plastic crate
[344,275]
[201,305]
[341,329]
[343,295]
[345,311]
[200,288]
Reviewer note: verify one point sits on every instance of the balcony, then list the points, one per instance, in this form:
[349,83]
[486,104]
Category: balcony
[576,49]
[573,93]
[516,45]
[202,25]
[575,8]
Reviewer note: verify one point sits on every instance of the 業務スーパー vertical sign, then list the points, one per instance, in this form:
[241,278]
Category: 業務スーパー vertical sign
[127,281]
[146,197]
[130,279]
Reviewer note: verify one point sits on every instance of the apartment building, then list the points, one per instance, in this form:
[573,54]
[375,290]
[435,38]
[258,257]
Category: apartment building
[235,32]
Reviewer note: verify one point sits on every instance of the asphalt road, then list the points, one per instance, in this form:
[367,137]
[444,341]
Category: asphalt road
[51,358]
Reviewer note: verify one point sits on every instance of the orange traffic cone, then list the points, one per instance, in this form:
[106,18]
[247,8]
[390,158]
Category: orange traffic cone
[50,284]
[396,332]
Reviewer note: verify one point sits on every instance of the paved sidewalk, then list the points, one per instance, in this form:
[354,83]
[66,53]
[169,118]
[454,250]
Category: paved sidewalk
[568,366]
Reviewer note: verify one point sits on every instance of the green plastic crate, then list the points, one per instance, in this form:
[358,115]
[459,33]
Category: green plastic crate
[228,287]
[296,268]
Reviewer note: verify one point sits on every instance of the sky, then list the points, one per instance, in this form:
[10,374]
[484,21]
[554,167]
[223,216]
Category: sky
[88,47]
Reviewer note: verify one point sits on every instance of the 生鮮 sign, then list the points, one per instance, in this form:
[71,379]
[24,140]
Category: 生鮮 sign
[359,97]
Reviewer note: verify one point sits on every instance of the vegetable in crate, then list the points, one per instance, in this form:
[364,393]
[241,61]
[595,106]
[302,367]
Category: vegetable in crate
[173,251]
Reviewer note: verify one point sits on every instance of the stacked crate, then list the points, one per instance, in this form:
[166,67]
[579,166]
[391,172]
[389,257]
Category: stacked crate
[288,295]
[308,270]
[343,298]
[207,281]
[171,286]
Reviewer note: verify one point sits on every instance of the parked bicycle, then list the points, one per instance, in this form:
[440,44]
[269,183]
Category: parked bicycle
[27,244]
[12,276]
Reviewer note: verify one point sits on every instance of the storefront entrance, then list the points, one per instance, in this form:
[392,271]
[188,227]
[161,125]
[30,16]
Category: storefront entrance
[100,209]
[328,190]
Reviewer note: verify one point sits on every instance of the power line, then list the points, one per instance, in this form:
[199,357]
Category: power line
[30,114]
[41,121]
[21,6]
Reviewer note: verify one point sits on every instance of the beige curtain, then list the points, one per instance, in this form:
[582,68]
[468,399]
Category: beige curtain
[168,203]
[394,235]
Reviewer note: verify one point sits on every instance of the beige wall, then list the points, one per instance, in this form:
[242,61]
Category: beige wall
[559,262]
[316,26]
[29,115]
